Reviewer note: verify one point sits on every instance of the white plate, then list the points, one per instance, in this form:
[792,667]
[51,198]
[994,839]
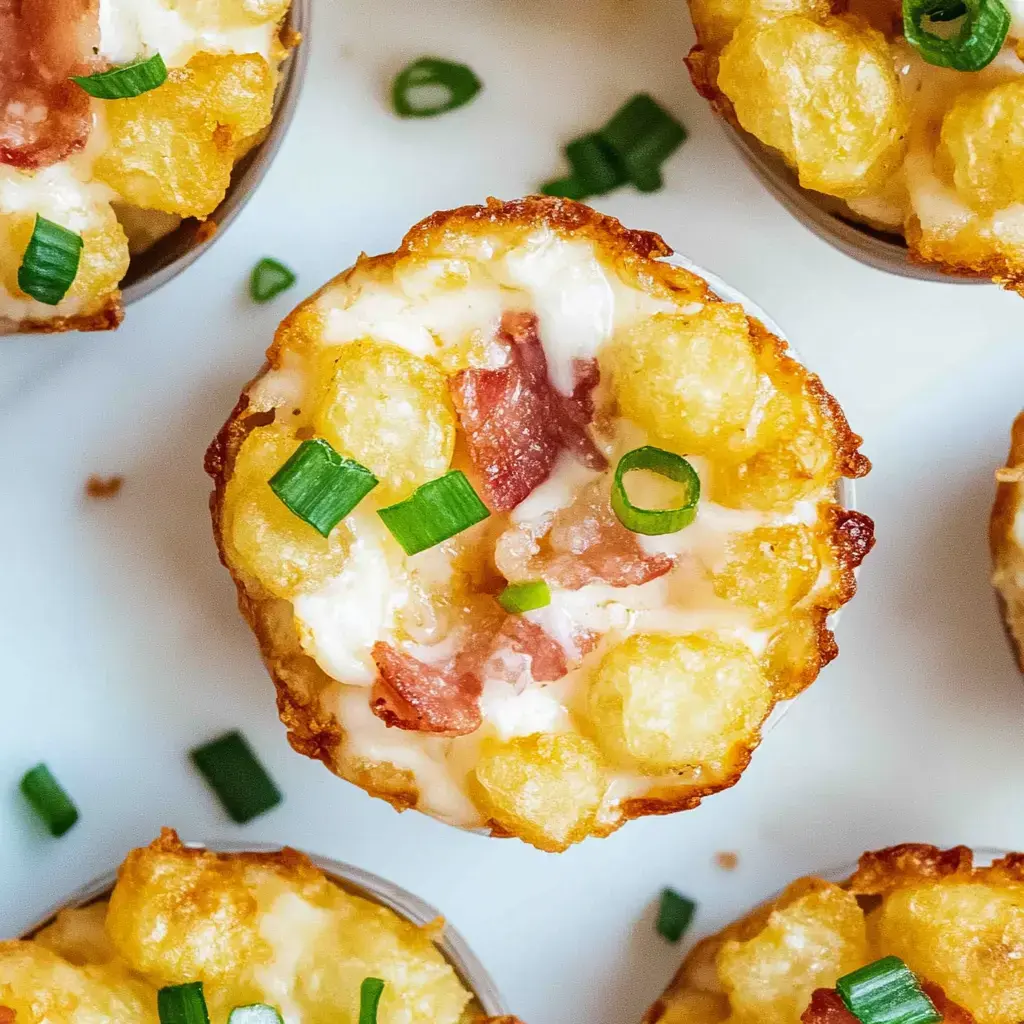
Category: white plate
[122,646]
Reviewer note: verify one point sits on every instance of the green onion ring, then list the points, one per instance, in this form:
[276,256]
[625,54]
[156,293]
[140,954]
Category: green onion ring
[268,279]
[435,511]
[675,912]
[976,44]
[886,992]
[517,598]
[49,799]
[236,776]
[255,1013]
[432,73]
[182,1004]
[126,81]
[650,521]
[50,263]
[369,997]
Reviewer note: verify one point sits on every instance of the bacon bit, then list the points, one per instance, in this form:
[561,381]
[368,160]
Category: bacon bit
[586,544]
[827,1007]
[516,422]
[7,1015]
[102,487]
[44,117]
[411,695]
[547,659]
[727,860]
[855,536]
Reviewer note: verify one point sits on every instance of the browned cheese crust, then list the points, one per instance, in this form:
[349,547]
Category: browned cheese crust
[300,681]
[106,318]
[1007,556]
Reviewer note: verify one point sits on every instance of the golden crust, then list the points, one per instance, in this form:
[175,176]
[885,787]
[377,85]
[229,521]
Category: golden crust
[298,679]
[1007,556]
[879,874]
[106,318]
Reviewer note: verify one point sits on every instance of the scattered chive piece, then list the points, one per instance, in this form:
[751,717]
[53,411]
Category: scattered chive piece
[594,165]
[886,992]
[49,799]
[50,263]
[434,512]
[566,188]
[431,86]
[268,279]
[320,486]
[972,47]
[642,134]
[524,597]
[655,521]
[128,80]
[241,783]
[255,1013]
[674,915]
[369,997]
[182,1004]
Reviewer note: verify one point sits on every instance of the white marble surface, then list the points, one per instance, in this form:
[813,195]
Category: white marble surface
[122,647]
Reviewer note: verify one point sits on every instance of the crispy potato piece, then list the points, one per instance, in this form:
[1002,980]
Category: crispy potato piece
[967,937]
[983,137]
[42,988]
[285,554]
[717,20]
[796,653]
[811,935]
[690,381]
[390,411]
[544,788]
[661,703]
[696,1007]
[823,93]
[173,148]
[769,569]
[232,13]
[272,928]
[79,935]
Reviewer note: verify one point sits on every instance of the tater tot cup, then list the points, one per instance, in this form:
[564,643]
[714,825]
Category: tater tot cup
[954,917]
[486,1001]
[905,166]
[534,350]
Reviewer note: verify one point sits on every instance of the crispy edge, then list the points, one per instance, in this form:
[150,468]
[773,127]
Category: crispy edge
[296,676]
[1005,551]
[106,318]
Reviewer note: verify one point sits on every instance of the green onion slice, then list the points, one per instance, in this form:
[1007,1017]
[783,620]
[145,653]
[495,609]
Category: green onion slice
[434,512]
[255,1013]
[595,165]
[369,997]
[49,799]
[674,915]
[268,279]
[564,188]
[128,80]
[655,521]
[50,262]
[524,597]
[431,86]
[972,47]
[182,1004]
[642,135]
[241,783]
[886,992]
[320,486]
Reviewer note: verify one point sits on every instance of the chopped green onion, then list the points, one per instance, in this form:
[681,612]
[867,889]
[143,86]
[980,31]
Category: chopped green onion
[564,188]
[973,46]
[50,263]
[49,799]
[524,597]
[182,1004]
[886,992]
[241,783]
[434,512]
[674,915]
[268,279]
[655,521]
[594,164]
[320,486]
[642,134]
[431,86]
[369,997]
[255,1013]
[128,80]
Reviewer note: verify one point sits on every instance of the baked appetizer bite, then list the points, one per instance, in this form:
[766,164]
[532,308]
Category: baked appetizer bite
[534,530]
[1006,540]
[247,938]
[115,124]
[907,115]
[917,934]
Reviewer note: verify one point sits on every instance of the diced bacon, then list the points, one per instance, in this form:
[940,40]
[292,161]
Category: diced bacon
[827,1007]
[586,543]
[512,648]
[547,659]
[516,421]
[409,694]
[44,117]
